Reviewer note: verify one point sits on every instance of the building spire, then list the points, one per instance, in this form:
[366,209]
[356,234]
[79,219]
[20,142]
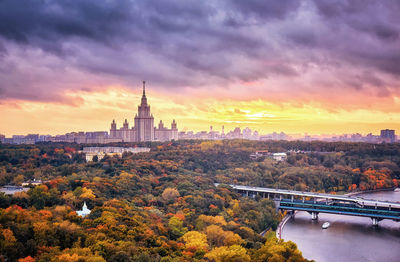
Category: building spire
[144,99]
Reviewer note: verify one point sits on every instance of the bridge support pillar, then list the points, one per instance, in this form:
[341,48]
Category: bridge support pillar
[374,221]
[314,215]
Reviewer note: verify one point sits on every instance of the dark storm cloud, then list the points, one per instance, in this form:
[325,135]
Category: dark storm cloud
[24,20]
[372,28]
[177,43]
[265,10]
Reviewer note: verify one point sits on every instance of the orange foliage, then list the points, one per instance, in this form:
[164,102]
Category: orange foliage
[13,208]
[375,179]
[188,253]
[27,259]
[180,216]
[69,149]
[46,214]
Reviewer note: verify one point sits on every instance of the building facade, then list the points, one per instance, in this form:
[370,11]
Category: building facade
[143,129]
[388,135]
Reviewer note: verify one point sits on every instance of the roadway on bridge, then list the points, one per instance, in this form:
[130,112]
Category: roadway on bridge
[359,200]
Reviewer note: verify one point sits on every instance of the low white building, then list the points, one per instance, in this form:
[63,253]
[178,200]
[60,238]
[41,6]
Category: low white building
[101,152]
[11,189]
[279,156]
[33,182]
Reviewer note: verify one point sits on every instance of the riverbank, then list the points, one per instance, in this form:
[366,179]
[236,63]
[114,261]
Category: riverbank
[285,219]
[370,191]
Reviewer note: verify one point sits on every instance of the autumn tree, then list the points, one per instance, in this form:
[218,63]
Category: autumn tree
[233,253]
[170,194]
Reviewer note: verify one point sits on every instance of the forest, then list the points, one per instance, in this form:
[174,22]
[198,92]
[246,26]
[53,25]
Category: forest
[163,205]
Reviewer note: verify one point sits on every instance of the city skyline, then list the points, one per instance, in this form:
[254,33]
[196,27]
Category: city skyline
[127,113]
[80,119]
[264,65]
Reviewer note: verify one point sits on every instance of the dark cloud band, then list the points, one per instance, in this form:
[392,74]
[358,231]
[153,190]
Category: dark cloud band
[194,43]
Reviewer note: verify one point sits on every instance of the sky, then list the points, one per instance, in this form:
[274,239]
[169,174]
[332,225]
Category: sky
[316,67]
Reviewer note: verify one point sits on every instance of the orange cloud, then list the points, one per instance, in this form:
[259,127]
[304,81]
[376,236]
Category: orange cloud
[96,110]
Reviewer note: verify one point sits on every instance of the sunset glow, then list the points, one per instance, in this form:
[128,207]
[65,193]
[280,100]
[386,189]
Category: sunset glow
[268,67]
[96,110]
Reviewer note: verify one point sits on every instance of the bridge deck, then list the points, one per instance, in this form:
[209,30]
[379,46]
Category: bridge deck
[358,200]
[354,210]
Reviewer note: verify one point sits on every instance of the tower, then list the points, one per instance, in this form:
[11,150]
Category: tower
[174,130]
[126,124]
[113,129]
[173,125]
[144,121]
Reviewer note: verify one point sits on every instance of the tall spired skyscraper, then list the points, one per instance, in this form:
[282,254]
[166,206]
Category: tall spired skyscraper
[144,121]
[143,129]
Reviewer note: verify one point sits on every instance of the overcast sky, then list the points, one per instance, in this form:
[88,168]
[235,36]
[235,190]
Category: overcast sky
[294,66]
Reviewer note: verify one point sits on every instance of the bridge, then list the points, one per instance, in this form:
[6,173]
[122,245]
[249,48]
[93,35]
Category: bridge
[316,203]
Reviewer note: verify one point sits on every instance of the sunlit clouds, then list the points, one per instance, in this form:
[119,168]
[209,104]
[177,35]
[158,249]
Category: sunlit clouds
[96,110]
[293,66]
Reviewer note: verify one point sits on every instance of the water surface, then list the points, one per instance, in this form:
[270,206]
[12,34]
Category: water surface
[348,238]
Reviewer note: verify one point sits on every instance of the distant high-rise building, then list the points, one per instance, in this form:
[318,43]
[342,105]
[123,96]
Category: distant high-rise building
[388,135]
[237,133]
[144,121]
[247,133]
[144,129]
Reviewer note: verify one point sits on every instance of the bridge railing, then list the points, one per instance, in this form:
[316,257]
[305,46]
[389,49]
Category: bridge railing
[339,209]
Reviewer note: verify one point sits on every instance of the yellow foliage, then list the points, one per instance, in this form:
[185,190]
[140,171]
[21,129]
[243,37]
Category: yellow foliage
[41,231]
[219,220]
[68,226]
[235,206]
[276,250]
[22,194]
[68,258]
[60,209]
[78,254]
[209,144]
[233,253]
[170,194]
[232,238]
[87,193]
[218,237]
[69,197]
[195,240]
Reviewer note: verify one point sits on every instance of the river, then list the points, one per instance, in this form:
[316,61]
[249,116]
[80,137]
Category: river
[349,238]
